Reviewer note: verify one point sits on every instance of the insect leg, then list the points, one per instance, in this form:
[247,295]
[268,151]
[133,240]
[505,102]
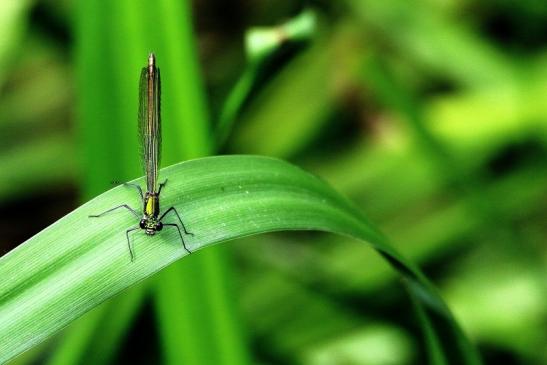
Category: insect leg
[178,216]
[119,206]
[161,186]
[180,234]
[136,186]
[129,241]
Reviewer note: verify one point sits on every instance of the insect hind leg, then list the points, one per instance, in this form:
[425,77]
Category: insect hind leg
[129,242]
[173,209]
[161,186]
[112,209]
[180,235]
[136,186]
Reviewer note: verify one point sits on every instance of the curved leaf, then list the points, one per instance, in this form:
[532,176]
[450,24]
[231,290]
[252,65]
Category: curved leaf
[78,262]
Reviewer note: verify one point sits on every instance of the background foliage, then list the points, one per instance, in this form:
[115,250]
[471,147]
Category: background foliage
[430,114]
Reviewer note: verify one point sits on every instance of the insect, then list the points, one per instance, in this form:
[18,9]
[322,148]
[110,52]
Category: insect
[150,138]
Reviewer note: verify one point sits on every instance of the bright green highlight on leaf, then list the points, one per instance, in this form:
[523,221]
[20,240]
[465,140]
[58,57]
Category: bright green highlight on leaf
[79,262]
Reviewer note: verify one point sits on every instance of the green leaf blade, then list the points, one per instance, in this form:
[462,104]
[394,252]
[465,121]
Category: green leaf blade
[78,262]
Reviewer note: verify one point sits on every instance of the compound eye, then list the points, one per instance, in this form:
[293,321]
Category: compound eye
[142,224]
[159,226]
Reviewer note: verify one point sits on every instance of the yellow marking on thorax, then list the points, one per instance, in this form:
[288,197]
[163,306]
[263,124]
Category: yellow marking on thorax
[149,209]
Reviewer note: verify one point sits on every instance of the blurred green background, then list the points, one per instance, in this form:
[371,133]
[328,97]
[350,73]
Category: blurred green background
[430,114]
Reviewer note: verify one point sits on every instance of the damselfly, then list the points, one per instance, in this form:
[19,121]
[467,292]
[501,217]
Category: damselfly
[150,138]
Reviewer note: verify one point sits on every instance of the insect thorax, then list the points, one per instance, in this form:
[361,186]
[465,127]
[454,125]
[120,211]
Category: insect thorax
[151,207]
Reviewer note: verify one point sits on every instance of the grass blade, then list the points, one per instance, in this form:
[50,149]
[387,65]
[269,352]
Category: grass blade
[77,263]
